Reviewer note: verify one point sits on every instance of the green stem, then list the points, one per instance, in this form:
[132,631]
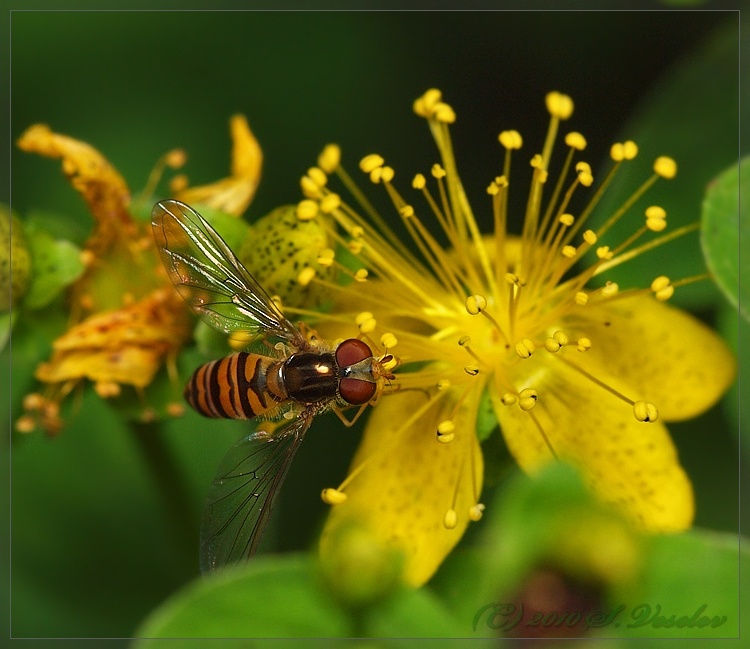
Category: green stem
[171,485]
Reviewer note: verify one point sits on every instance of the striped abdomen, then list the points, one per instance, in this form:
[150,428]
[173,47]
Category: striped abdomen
[240,386]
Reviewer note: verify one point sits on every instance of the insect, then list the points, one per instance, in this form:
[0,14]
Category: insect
[305,378]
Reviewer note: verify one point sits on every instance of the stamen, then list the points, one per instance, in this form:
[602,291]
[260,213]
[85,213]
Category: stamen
[332,496]
[450,520]
[330,158]
[527,399]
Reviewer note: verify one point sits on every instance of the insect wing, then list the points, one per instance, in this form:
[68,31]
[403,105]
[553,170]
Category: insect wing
[241,497]
[210,277]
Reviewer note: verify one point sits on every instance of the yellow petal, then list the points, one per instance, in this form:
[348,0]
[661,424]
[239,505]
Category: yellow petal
[629,463]
[125,346]
[409,480]
[103,189]
[666,355]
[232,195]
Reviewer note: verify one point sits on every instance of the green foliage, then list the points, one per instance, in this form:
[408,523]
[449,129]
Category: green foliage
[692,116]
[725,221]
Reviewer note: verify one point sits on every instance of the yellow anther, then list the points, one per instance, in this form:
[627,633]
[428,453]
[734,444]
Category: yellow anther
[508,399]
[107,389]
[178,183]
[561,337]
[389,364]
[603,252]
[175,409]
[581,298]
[407,211]
[583,167]
[317,175]
[333,496]
[25,424]
[645,411]
[610,289]
[368,326]
[387,174]
[527,399]
[355,246]
[537,162]
[376,175]
[502,181]
[584,344]
[551,345]
[307,209]
[618,151]
[629,149]
[656,225]
[87,257]
[446,426]
[424,106]
[450,520]
[569,251]
[510,139]
[662,288]
[590,237]
[475,304]
[357,231]
[656,212]
[575,141]
[363,317]
[665,167]
[419,182]
[475,512]
[443,384]
[370,162]
[472,370]
[175,158]
[525,348]
[309,187]
[33,401]
[559,105]
[464,340]
[361,274]
[330,158]
[444,113]
[437,171]
[388,340]
[330,203]
[306,276]
[493,189]
[585,178]
[326,257]
[445,431]
[567,219]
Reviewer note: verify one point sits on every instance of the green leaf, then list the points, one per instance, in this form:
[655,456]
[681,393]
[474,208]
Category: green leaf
[693,577]
[270,597]
[692,116]
[413,614]
[55,265]
[725,222]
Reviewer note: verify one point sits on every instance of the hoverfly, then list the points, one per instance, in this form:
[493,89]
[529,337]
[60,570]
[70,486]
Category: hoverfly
[306,379]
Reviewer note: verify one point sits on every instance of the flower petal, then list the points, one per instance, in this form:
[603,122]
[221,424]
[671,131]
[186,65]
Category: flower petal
[672,359]
[626,462]
[232,195]
[103,189]
[409,480]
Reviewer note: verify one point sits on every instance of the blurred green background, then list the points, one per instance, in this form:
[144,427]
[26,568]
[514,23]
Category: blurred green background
[96,544]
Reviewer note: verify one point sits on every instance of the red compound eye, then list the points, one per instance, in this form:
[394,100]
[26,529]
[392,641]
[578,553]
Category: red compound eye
[356,391]
[352,351]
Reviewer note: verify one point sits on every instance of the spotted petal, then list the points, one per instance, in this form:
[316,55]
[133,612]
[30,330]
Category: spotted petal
[411,480]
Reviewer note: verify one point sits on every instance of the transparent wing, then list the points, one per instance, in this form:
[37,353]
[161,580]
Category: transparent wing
[210,277]
[241,497]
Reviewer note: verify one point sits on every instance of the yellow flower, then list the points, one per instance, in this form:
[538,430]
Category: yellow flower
[486,321]
[126,319]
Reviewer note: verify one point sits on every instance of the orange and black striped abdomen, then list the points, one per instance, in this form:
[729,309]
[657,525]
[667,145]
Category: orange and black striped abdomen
[240,386]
